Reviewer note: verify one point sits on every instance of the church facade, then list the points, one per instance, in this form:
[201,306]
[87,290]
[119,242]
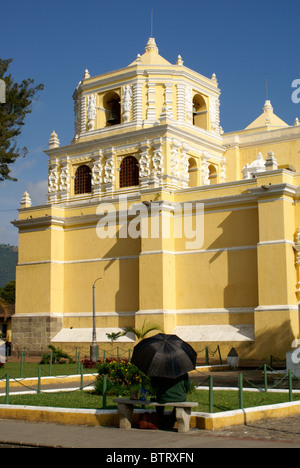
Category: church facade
[172,220]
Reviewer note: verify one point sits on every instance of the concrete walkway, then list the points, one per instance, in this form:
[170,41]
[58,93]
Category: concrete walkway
[26,434]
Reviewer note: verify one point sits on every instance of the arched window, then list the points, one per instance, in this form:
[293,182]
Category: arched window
[129,172]
[212,174]
[192,172]
[83,180]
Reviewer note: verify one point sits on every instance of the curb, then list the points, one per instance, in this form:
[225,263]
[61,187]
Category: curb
[214,422]
[110,418]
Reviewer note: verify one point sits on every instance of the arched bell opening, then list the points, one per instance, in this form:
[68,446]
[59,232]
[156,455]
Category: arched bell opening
[200,113]
[111,104]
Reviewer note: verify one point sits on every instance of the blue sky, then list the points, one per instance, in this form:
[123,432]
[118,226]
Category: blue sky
[53,42]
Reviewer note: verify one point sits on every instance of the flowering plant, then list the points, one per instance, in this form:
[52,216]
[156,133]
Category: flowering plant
[123,378]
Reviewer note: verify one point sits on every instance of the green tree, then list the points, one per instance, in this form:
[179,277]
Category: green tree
[8,293]
[18,97]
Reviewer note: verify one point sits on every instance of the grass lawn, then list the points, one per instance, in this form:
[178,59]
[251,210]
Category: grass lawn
[223,400]
[30,369]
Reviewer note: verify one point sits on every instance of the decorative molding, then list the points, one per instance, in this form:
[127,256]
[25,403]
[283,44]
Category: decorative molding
[91,111]
[138,102]
[53,179]
[126,102]
[205,171]
[65,179]
[180,102]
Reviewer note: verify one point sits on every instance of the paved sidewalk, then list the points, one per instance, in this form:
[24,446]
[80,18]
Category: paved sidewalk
[264,434]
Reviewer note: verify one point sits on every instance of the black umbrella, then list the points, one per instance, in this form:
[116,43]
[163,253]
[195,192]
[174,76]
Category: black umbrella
[164,356]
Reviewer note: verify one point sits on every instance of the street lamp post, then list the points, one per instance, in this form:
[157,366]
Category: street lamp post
[94,348]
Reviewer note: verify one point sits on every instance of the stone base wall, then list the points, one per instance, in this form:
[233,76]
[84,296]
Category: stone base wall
[34,332]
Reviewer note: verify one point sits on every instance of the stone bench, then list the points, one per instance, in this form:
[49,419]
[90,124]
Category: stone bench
[183,411]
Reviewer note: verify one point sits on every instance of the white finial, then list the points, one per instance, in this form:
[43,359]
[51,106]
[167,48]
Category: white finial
[271,162]
[86,74]
[151,46]
[268,106]
[296,123]
[54,141]
[179,60]
[214,78]
[138,58]
[26,201]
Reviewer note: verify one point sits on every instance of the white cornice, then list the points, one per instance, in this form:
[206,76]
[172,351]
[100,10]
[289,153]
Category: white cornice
[247,140]
[185,132]
[125,75]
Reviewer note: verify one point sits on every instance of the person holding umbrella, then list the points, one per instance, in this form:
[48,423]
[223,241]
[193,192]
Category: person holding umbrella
[168,391]
[167,359]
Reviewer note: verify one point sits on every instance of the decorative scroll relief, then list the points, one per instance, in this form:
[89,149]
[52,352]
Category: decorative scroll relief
[77,114]
[214,114]
[157,161]
[205,172]
[175,171]
[53,180]
[97,173]
[109,172]
[144,164]
[189,104]
[91,111]
[64,179]
[184,165]
[126,102]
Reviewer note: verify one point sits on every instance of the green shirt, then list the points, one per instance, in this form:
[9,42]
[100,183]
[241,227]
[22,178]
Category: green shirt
[171,390]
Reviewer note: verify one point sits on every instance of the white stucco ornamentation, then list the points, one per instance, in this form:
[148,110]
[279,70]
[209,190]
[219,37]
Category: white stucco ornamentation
[214,114]
[97,173]
[205,172]
[53,180]
[157,161]
[91,111]
[175,162]
[144,163]
[256,166]
[109,172]
[64,179]
[184,166]
[126,102]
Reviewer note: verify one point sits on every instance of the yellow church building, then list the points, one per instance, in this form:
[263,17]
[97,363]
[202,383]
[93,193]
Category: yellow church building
[172,220]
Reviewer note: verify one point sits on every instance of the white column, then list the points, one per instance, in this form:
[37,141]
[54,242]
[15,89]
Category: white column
[137,103]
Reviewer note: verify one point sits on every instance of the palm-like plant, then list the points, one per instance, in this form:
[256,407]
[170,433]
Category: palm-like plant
[143,332]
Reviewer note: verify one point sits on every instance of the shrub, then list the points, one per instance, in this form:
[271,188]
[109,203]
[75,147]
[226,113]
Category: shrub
[88,363]
[123,378]
[58,357]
